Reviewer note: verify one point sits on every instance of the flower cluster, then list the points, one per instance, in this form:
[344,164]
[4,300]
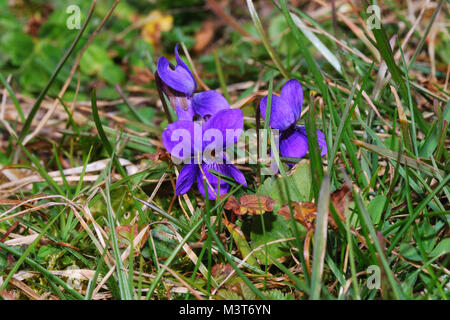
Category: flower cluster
[207,126]
[285,110]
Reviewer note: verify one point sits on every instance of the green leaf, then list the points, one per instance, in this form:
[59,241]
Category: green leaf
[93,59]
[164,239]
[96,61]
[442,248]
[122,202]
[276,228]
[278,295]
[375,208]
[225,294]
[410,252]
[112,73]
[17,46]
[241,243]
[45,252]
[428,235]
[300,176]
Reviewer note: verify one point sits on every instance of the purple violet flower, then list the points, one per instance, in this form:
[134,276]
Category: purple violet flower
[206,126]
[178,78]
[215,130]
[178,84]
[285,111]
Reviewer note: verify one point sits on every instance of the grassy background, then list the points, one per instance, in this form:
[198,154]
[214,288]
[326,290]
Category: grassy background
[80,144]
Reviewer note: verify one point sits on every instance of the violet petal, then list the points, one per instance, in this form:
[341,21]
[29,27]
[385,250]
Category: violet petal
[281,115]
[223,129]
[292,93]
[186,178]
[208,103]
[179,79]
[182,139]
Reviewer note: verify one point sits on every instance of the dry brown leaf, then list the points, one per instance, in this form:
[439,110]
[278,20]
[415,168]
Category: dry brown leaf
[256,204]
[250,204]
[142,75]
[8,295]
[232,203]
[204,36]
[125,235]
[220,270]
[340,199]
[306,212]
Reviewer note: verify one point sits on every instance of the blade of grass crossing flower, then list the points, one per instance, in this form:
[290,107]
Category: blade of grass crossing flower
[320,239]
[266,131]
[207,217]
[269,108]
[313,149]
[291,210]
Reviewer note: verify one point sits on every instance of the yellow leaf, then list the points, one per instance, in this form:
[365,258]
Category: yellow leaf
[155,23]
